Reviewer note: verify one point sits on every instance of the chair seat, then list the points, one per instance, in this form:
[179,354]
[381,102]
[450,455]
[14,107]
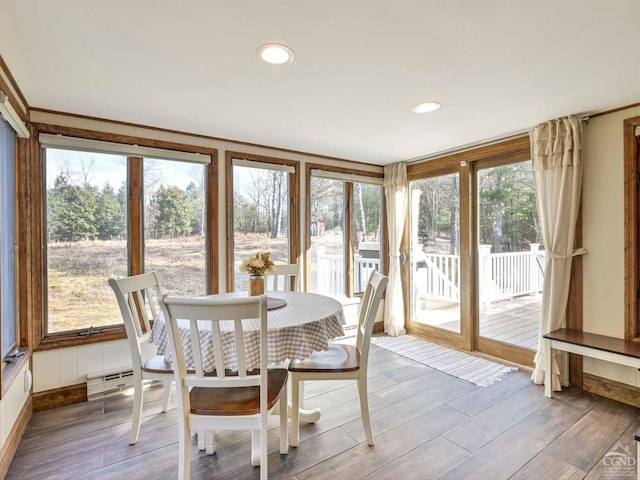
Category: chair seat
[237,400]
[339,358]
[157,364]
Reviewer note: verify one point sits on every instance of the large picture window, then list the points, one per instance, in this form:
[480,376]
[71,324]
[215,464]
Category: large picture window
[114,210]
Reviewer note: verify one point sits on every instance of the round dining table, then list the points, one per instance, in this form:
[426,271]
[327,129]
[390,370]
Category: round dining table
[299,323]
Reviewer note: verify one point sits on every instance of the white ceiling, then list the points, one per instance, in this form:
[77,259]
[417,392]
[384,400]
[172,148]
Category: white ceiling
[498,67]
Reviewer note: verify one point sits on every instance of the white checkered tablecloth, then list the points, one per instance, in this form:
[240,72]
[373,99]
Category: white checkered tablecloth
[304,325]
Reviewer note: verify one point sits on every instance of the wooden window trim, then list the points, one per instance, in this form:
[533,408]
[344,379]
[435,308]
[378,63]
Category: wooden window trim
[631,226]
[135,215]
[507,148]
[32,186]
[294,206]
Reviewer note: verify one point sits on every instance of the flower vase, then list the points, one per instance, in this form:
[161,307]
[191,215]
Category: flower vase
[256,285]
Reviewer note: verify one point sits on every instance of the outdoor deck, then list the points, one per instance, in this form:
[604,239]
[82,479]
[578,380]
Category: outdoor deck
[514,321]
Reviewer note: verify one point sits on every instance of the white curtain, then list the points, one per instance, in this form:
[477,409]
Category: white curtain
[556,149]
[395,189]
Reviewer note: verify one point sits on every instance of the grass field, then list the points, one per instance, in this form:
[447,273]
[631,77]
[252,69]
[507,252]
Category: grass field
[79,296]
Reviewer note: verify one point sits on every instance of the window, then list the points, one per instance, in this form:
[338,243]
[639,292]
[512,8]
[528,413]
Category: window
[8,299]
[116,210]
[86,237]
[327,239]
[367,242]
[345,218]
[174,225]
[264,209]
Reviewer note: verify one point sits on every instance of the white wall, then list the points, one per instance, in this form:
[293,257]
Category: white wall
[12,403]
[69,366]
[603,235]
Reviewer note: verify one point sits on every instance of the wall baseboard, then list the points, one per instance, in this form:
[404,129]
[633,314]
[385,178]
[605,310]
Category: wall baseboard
[59,397]
[13,440]
[606,387]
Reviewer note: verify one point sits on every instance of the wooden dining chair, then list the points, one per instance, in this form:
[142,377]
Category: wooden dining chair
[224,400]
[341,361]
[138,301]
[283,278]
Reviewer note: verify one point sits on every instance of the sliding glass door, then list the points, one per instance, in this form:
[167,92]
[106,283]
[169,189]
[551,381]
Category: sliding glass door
[476,263]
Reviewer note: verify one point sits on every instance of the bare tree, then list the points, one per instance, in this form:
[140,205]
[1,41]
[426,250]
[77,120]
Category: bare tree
[278,198]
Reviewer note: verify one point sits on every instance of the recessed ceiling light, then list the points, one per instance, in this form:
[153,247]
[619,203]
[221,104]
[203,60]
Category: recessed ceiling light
[275,53]
[426,107]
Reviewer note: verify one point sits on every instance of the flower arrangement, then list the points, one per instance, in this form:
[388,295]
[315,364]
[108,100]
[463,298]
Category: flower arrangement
[257,264]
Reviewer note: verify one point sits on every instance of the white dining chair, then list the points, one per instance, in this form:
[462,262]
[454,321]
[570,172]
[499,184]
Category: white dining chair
[283,278]
[224,400]
[138,301]
[341,361]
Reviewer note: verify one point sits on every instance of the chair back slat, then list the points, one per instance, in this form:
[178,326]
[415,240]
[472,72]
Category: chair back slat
[283,278]
[240,351]
[196,347]
[152,302]
[218,352]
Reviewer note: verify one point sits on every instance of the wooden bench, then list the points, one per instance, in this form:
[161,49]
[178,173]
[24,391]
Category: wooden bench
[616,350]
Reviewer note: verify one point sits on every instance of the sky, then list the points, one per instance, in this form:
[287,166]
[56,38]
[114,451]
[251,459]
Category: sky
[112,169]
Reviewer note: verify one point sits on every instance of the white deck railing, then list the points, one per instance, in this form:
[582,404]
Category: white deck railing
[436,276]
[501,276]
[330,279]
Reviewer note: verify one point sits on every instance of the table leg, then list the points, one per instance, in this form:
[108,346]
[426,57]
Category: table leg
[307,415]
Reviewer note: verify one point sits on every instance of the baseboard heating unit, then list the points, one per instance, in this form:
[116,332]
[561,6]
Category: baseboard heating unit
[102,384]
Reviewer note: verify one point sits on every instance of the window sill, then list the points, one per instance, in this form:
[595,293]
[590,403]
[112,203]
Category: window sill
[11,370]
[72,339]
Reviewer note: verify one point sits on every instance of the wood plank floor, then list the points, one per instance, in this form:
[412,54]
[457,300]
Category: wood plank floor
[427,425]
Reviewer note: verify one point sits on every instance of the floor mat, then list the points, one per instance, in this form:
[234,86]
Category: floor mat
[473,369]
